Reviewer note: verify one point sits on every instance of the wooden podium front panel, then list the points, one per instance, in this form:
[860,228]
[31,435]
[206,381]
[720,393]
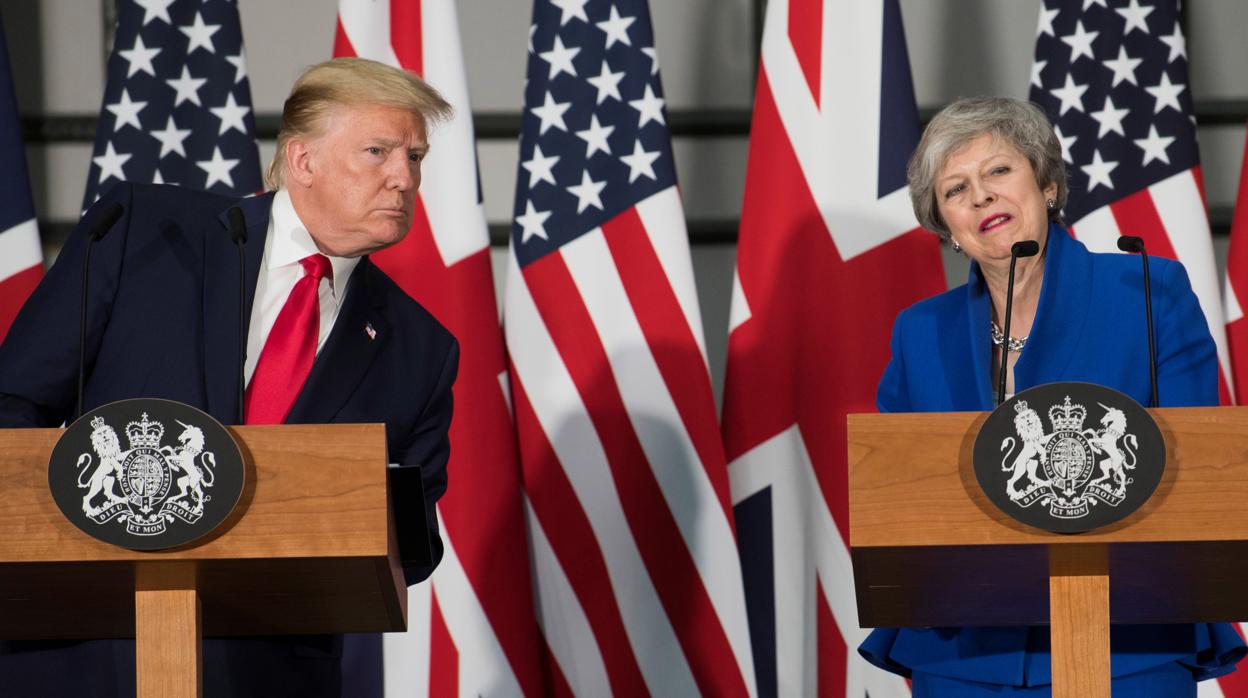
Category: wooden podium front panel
[930,549]
[307,550]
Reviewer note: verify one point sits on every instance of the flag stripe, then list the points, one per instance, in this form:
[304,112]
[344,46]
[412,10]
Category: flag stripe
[639,319]
[662,219]
[406,35]
[658,535]
[582,589]
[1136,214]
[445,681]
[563,418]
[578,656]
[19,248]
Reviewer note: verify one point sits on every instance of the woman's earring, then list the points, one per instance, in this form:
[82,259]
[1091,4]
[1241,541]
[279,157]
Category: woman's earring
[954,244]
[1051,203]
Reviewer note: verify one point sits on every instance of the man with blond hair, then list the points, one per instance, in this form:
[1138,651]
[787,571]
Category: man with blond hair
[330,338]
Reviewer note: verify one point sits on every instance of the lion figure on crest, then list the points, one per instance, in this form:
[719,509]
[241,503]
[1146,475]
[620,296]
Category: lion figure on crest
[196,465]
[105,475]
[1030,456]
[1116,463]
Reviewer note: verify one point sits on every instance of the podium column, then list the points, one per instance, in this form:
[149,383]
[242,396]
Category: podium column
[168,631]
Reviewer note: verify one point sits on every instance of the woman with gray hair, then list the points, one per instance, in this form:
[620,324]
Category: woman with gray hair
[989,173]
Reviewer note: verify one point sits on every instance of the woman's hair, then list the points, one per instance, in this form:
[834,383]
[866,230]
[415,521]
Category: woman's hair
[1021,124]
[344,82]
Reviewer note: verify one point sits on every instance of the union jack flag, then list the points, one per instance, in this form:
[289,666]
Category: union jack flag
[638,579]
[470,632]
[177,103]
[829,253]
[21,258]
[1113,78]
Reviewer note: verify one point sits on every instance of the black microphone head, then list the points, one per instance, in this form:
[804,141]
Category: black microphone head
[105,218]
[238,225]
[1131,243]
[1025,248]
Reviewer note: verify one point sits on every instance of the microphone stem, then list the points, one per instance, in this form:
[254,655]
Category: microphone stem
[1152,344]
[242,332]
[1005,343]
[82,330]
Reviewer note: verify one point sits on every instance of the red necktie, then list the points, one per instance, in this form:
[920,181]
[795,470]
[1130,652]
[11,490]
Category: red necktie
[288,353]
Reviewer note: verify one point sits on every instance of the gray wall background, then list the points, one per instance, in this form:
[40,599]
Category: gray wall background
[708,59]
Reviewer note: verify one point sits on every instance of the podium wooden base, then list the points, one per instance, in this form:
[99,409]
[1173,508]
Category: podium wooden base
[1079,621]
[168,631]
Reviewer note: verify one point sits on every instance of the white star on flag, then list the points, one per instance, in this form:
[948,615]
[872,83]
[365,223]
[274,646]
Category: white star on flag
[139,58]
[1109,118]
[218,169]
[1165,94]
[595,137]
[540,167]
[607,83]
[560,58]
[1177,44]
[1070,94]
[587,193]
[126,112]
[240,66]
[1123,66]
[616,28]
[200,35]
[551,114]
[155,9]
[1098,172]
[570,9]
[110,163]
[533,222]
[1080,42]
[649,108]
[1135,16]
[1036,69]
[1154,146]
[187,88]
[640,162]
[1066,142]
[231,115]
[171,138]
[1046,21]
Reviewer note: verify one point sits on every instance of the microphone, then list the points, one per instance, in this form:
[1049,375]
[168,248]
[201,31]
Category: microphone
[1023,248]
[107,216]
[1131,243]
[238,233]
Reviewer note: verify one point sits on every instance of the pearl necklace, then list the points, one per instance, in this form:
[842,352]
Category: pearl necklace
[998,338]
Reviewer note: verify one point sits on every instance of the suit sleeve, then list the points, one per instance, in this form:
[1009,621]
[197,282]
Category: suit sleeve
[429,447]
[1187,359]
[893,394]
[39,357]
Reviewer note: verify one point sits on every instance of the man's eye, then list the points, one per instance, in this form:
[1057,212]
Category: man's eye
[374,150]
[416,157]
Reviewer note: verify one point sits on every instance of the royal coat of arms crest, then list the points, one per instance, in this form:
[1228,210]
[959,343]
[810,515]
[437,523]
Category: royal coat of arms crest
[1071,468]
[148,484]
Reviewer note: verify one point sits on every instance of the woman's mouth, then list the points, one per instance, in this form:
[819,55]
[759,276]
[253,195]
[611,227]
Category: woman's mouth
[994,221]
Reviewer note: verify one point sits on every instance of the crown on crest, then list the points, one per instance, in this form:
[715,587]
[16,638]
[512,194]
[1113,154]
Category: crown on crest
[1020,407]
[144,433]
[1067,417]
[97,423]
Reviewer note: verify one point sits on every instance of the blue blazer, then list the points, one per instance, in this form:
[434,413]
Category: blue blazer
[163,322]
[1089,326]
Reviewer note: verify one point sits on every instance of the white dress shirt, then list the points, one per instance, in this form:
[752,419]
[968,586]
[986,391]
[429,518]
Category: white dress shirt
[285,243]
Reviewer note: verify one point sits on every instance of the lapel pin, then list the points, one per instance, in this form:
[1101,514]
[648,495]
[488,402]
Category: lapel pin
[370,331]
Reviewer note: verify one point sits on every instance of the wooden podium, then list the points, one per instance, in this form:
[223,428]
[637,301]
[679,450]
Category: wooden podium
[310,548]
[929,548]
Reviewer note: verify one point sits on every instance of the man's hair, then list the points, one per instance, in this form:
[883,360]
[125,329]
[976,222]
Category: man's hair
[349,82]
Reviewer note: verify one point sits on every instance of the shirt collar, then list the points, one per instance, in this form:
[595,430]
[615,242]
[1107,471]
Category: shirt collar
[292,242]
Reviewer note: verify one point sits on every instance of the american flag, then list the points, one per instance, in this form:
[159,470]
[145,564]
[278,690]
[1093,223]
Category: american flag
[177,104]
[829,253]
[1113,78]
[638,580]
[21,258]
[472,628]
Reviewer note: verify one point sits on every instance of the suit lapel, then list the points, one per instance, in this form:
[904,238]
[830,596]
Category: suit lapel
[221,319]
[1065,302]
[978,305]
[348,352]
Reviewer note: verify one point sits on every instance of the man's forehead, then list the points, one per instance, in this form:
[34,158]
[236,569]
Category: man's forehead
[374,120]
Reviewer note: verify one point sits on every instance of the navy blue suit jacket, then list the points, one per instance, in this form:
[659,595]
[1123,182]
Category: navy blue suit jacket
[163,322]
[1089,326]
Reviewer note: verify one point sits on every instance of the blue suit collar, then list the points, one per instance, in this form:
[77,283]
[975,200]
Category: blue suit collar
[1065,295]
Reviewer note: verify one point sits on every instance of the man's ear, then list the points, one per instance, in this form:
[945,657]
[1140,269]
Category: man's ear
[299,167]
